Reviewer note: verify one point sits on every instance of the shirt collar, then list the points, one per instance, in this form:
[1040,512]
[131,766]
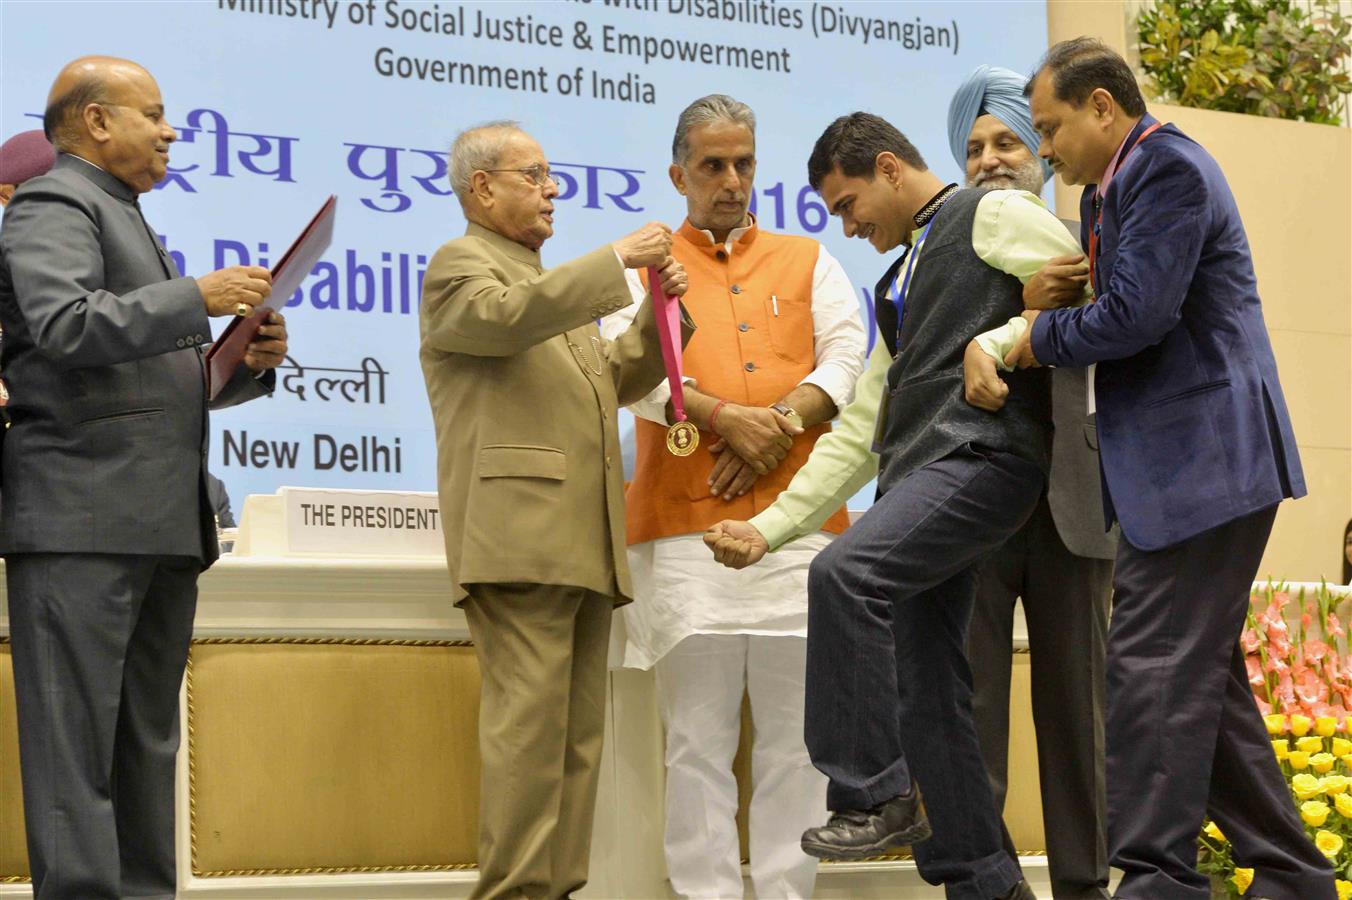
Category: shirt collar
[931,209]
[703,238]
[1108,173]
[110,183]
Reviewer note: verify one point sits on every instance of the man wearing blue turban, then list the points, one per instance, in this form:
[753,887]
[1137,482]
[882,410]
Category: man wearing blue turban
[1060,562]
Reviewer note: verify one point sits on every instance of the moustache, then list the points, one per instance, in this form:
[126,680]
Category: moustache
[1002,172]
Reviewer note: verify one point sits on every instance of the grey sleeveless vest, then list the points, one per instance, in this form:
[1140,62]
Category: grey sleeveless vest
[954,296]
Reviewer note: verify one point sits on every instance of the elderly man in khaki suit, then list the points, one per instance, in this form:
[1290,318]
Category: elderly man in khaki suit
[524,394]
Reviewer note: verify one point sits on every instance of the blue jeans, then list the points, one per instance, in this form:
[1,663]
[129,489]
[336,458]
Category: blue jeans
[889,690]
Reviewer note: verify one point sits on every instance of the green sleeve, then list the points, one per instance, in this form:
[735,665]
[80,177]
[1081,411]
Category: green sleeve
[1015,232]
[842,462]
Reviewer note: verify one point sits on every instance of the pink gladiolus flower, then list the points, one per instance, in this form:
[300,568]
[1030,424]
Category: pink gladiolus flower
[1332,626]
[1277,666]
[1310,688]
[1255,668]
[1315,651]
[1264,707]
[1248,640]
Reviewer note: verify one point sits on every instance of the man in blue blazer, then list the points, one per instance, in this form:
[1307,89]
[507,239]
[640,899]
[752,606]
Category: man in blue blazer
[106,522]
[1197,451]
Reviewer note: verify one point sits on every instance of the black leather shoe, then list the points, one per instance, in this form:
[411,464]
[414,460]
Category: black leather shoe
[1020,891]
[861,833]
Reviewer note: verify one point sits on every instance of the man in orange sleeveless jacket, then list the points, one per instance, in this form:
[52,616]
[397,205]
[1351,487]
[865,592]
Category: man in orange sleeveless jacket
[779,349]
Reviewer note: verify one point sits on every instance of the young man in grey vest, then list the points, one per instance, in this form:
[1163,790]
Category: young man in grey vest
[889,688]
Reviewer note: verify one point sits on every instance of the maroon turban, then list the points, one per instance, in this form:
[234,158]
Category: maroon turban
[24,156]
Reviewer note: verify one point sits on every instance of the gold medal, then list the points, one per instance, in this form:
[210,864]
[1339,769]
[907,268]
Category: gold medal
[682,438]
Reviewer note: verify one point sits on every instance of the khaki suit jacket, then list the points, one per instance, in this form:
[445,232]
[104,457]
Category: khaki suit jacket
[524,395]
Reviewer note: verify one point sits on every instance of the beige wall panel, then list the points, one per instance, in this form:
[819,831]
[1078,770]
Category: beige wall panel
[13,852]
[1103,19]
[333,756]
[1316,374]
[1308,536]
[1292,181]
[1023,806]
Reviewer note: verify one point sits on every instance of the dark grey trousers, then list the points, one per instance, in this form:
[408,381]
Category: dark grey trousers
[889,691]
[1185,739]
[1065,601]
[99,646]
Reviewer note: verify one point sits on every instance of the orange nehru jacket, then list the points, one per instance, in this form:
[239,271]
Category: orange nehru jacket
[754,345]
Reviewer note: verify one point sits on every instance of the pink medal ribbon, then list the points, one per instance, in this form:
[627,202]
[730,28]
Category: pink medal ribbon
[683,437]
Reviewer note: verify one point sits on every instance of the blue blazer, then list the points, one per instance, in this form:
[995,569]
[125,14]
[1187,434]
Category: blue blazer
[1193,429]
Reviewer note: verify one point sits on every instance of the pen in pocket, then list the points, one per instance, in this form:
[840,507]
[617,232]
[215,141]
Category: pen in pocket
[774,305]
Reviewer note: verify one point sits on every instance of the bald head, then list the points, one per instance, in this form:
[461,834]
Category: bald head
[108,111]
[89,79]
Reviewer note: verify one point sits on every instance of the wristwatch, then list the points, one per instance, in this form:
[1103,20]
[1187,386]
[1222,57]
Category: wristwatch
[789,413]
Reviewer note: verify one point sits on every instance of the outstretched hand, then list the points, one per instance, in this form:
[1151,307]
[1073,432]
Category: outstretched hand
[736,544]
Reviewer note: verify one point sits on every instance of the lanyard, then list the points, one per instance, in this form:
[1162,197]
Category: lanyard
[1098,204]
[899,297]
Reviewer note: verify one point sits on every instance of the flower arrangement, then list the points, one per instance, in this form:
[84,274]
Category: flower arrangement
[1297,655]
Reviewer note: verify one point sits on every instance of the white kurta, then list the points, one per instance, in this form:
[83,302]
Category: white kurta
[681,591]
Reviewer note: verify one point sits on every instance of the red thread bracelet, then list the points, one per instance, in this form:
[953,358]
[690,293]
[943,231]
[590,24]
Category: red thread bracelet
[713,416]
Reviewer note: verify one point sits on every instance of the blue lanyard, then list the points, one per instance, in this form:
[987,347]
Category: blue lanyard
[899,298]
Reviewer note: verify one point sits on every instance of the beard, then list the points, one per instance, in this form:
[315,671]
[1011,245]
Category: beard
[1024,177]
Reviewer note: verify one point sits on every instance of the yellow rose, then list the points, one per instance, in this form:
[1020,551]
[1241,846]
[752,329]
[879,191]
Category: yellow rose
[1213,831]
[1298,760]
[1341,746]
[1306,785]
[1242,879]
[1347,724]
[1344,889]
[1314,812]
[1347,760]
[1276,723]
[1310,744]
[1281,748]
[1328,843]
[1343,803]
[1334,784]
[1324,726]
[1300,725]
[1322,762]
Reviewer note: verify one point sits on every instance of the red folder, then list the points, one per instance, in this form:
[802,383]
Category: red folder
[228,351]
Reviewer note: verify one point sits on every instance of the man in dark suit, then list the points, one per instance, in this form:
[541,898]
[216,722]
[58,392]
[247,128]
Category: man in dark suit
[106,522]
[1060,562]
[1197,451]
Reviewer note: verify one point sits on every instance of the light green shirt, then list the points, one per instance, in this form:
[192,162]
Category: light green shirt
[1014,232]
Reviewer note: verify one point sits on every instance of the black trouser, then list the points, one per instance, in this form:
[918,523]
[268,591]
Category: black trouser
[1185,739]
[889,690]
[1065,603]
[99,644]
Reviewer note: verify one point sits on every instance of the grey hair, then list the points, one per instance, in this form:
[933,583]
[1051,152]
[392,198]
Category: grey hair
[705,111]
[479,147]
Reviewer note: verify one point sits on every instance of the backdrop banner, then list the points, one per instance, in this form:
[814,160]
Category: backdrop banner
[279,103]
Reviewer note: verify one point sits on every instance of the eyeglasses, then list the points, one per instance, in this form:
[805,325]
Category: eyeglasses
[537,174]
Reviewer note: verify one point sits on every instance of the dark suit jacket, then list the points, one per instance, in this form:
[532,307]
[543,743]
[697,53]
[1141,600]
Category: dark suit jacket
[1193,428]
[102,354]
[1075,486]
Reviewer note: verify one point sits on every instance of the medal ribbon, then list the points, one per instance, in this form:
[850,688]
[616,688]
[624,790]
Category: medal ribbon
[1098,205]
[668,313]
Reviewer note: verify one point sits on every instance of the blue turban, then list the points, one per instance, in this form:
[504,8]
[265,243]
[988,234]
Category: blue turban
[999,92]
